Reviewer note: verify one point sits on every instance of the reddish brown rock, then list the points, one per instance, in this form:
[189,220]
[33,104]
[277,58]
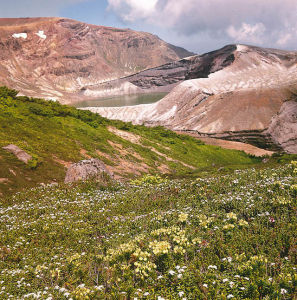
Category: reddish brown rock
[55,57]
[86,169]
[19,153]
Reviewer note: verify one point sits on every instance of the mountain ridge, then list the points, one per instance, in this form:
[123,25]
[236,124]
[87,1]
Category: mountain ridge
[55,57]
[239,97]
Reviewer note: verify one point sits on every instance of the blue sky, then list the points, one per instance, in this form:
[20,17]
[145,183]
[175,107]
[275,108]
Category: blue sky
[197,25]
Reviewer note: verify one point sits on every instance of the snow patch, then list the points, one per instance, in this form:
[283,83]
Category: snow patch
[22,35]
[241,48]
[41,34]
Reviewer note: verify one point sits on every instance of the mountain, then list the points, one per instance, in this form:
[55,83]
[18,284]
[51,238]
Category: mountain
[165,77]
[240,93]
[54,57]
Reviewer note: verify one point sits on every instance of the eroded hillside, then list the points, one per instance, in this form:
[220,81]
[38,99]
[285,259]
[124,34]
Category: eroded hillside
[236,101]
[55,57]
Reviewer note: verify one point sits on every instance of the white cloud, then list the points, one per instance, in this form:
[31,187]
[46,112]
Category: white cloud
[283,40]
[131,10]
[266,23]
[247,33]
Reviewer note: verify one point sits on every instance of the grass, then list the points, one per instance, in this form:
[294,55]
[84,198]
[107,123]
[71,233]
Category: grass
[55,134]
[224,237]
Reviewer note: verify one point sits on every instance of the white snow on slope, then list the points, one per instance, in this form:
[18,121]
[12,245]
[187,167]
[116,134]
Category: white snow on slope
[20,35]
[41,34]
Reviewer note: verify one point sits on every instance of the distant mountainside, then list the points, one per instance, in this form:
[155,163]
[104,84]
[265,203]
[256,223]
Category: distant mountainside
[56,57]
[165,77]
[241,93]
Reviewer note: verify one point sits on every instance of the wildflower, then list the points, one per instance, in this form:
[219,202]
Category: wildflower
[284,291]
[271,220]
[228,227]
[212,267]
[159,248]
[243,223]
[180,294]
[183,217]
[231,216]
[171,272]
[230,296]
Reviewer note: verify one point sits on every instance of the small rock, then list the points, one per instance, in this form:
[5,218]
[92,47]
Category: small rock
[19,153]
[86,169]
[12,172]
[4,180]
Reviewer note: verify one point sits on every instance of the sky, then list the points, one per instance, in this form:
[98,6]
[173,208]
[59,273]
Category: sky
[197,25]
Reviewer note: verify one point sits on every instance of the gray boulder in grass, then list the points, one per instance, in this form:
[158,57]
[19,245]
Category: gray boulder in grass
[86,169]
[19,153]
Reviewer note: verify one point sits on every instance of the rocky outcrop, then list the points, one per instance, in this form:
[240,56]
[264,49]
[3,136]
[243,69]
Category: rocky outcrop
[87,169]
[19,153]
[55,57]
[283,127]
[165,77]
[237,101]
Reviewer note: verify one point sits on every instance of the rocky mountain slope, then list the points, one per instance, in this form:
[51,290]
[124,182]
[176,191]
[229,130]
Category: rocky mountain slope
[55,57]
[243,98]
[165,77]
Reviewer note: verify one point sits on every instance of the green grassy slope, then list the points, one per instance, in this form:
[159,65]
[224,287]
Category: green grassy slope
[227,237]
[53,134]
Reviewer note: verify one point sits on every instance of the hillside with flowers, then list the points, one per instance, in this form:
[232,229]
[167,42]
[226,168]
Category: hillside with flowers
[225,237]
[54,136]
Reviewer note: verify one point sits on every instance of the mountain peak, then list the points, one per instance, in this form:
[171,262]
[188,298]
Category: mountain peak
[66,54]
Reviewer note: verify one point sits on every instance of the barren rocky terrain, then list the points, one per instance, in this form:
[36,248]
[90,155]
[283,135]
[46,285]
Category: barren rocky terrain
[237,101]
[55,58]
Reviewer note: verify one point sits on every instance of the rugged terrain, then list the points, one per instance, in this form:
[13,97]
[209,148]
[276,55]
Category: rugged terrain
[248,93]
[54,57]
[165,77]
[40,139]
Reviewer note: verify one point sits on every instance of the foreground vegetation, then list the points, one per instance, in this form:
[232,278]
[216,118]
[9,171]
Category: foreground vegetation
[56,135]
[229,237]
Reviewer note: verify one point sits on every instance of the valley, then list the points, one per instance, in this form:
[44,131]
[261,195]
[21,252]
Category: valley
[131,168]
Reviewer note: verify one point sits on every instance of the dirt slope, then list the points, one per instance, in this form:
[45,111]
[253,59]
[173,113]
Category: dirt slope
[55,57]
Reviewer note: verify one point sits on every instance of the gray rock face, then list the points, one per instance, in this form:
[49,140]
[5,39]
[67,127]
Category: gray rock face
[165,77]
[86,169]
[283,127]
[19,153]
[245,88]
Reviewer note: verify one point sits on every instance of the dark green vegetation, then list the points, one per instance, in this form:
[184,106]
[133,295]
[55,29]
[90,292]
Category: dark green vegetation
[228,237]
[56,134]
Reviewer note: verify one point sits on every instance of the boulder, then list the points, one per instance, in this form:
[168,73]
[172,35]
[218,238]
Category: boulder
[86,169]
[283,127]
[19,153]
